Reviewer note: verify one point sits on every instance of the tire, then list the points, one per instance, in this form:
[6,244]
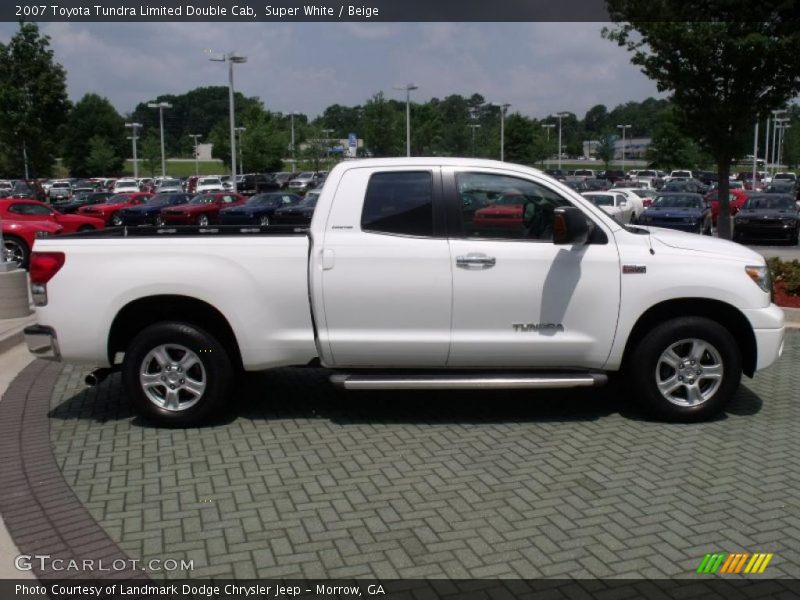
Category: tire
[160,222]
[161,352]
[85,228]
[702,397]
[16,250]
[202,221]
[116,220]
[264,221]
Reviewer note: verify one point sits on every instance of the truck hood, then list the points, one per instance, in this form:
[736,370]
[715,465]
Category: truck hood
[706,244]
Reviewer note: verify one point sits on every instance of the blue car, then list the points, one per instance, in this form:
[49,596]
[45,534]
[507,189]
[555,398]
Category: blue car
[686,212]
[149,212]
[258,210]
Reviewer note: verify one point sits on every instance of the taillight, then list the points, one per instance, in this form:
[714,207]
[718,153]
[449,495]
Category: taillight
[44,265]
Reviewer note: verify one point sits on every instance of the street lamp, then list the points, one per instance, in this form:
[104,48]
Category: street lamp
[240,130]
[547,127]
[559,116]
[503,109]
[195,137]
[408,88]
[231,58]
[474,126]
[134,127]
[624,128]
[161,106]
[784,126]
[294,158]
[327,133]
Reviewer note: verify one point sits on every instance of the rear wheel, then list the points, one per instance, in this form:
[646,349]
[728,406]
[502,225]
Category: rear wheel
[160,222]
[85,228]
[264,221]
[177,374]
[202,220]
[16,250]
[116,220]
[686,369]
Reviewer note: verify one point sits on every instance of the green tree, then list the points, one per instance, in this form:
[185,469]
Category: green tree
[712,67]
[596,120]
[382,127]
[671,148]
[93,117]
[102,159]
[606,150]
[150,152]
[33,97]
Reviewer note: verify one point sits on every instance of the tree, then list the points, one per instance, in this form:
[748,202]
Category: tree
[93,117]
[102,159]
[382,127]
[713,68]
[33,97]
[150,152]
[671,148]
[606,149]
[596,120]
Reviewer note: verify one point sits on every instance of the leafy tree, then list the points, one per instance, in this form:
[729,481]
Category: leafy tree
[671,147]
[382,127]
[713,68]
[150,152]
[102,159]
[596,120]
[264,142]
[92,117]
[33,97]
[606,150]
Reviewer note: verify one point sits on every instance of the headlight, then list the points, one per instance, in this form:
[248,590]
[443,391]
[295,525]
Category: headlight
[42,234]
[760,275]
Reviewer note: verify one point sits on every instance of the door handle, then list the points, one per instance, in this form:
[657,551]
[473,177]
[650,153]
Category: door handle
[475,261]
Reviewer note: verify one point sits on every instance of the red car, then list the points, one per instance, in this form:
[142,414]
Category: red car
[736,199]
[33,210]
[503,213]
[18,238]
[109,210]
[202,210]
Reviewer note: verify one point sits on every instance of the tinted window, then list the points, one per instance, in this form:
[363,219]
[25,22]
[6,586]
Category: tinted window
[399,203]
[29,209]
[498,206]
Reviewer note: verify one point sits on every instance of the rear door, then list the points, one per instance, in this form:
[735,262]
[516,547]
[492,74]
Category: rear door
[384,269]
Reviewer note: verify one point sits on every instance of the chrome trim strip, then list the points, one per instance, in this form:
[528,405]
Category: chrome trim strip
[465,382]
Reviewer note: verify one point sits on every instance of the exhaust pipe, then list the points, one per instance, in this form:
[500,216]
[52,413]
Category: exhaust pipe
[97,376]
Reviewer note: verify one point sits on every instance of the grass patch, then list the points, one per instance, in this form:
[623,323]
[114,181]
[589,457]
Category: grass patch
[179,168]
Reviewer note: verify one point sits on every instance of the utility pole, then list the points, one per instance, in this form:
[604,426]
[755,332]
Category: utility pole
[161,106]
[231,58]
[195,137]
[408,89]
[134,127]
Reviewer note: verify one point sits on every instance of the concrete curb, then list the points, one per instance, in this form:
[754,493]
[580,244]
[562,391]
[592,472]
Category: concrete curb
[11,331]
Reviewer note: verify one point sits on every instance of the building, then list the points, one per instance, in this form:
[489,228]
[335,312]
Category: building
[635,148]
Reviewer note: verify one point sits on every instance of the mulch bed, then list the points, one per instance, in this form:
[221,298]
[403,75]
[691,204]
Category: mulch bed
[782,298]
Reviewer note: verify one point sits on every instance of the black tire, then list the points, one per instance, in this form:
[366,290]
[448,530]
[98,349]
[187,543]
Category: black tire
[85,228]
[217,374]
[16,250]
[646,367]
[160,222]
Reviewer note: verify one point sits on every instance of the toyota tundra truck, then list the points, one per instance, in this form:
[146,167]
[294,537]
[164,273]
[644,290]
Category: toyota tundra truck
[397,285]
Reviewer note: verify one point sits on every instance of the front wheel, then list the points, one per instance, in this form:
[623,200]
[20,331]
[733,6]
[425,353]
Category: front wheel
[263,221]
[85,228]
[177,374]
[116,220]
[16,250]
[202,220]
[686,369]
[160,222]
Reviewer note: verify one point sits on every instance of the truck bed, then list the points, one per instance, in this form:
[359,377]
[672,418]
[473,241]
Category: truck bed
[189,231]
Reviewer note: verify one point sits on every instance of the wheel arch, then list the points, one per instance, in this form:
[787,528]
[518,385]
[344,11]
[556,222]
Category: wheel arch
[142,312]
[726,315]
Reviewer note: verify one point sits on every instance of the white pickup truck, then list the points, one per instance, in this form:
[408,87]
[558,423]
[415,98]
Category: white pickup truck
[415,273]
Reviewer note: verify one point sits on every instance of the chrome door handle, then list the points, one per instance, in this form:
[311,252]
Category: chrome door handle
[475,261]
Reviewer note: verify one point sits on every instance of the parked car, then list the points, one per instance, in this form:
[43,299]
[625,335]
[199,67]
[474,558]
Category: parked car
[785,177]
[109,210]
[303,182]
[597,185]
[736,198]
[577,184]
[82,199]
[588,173]
[33,210]
[296,214]
[503,212]
[283,178]
[678,174]
[688,186]
[149,212]
[256,183]
[634,198]
[389,297]
[28,189]
[5,188]
[81,186]
[19,236]
[201,210]
[685,212]
[258,210]
[768,217]
[208,185]
[167,186]
[615,204]
[126,186]
[60,190]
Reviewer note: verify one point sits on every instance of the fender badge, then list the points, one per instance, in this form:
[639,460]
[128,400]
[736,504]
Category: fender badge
[633,269]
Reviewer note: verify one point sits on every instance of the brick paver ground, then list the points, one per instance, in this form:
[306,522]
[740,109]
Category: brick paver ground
[308,481]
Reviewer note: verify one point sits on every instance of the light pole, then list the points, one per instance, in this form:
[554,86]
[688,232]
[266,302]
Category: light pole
[294,158]
[231,58]
[624,128]
[784,126]
[408,88]
[474,126]
[161,106]
[755,155]
[777,116]
[559,116]
[134,127]
[766,147]
[240,130]
[503,109]
[195,137]
[547,127]
[327,133]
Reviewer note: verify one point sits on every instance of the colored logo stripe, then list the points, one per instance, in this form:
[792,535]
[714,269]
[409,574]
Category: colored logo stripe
[758,563]
[734,563]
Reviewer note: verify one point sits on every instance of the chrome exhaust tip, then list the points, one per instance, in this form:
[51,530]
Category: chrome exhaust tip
[97,376]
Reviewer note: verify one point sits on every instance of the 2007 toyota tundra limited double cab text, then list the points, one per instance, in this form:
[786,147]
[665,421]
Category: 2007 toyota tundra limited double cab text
[396,285]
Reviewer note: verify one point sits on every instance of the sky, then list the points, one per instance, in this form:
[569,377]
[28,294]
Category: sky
[539,68]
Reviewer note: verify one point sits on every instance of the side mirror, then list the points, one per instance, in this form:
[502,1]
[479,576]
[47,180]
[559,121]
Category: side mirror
[569,226]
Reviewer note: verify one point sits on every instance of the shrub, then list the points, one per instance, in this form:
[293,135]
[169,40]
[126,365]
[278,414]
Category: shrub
[786,272]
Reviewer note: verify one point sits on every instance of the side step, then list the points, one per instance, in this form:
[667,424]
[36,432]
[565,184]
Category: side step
[461,381]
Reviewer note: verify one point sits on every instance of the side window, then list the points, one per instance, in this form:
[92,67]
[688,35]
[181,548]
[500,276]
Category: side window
[503,207]
[227,199]
[621,200]
[400,203]
[29,209]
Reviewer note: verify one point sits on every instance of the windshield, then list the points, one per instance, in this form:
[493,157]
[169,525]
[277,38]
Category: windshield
[786,176]
[600,200]
[681,174]
[678,202]
[209,181]
[643,193]
[115,199]
[170,182]
[305,175]
[646,173]
[61,184]
[159,200]
[126,183]
[786,203]
[204,199]
[263,200]
[310,201]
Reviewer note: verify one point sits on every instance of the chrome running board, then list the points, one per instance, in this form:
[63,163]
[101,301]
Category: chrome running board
[461,381]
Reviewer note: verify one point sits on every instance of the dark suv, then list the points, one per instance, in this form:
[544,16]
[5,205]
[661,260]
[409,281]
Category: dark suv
[257,183]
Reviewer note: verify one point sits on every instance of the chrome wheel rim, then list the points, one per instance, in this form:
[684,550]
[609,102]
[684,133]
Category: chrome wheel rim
[689,372]
[116,220]
[160,221]
[202,221]
[13,251]
[264,221]
[173,377]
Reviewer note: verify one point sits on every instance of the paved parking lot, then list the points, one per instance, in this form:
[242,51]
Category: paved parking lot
[308,481]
